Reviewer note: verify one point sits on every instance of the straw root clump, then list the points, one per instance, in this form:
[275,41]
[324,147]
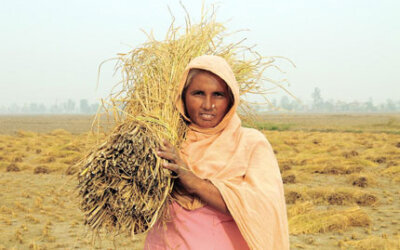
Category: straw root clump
[122,183]
[41,170]
[362,180]
[13,168]
[288,177]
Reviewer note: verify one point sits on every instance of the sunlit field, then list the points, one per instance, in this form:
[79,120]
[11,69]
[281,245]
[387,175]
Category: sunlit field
[341,175]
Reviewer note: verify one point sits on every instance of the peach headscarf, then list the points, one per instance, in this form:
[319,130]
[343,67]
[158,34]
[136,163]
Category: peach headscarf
[240,162]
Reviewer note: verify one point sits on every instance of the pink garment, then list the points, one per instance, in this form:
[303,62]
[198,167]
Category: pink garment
[202,228]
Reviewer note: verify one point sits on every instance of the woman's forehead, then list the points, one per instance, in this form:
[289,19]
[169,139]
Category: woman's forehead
[209,81]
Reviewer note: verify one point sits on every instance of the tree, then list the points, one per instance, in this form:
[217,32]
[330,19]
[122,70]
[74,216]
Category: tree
[390,105]
[84,106]
[369,105]
[317,99]
[69,106]
[42,108]
[14,109]
[55,109]
[285,103]
[33,108]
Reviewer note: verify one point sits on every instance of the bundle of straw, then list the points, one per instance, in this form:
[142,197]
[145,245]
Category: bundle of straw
[122,186]
[115,187]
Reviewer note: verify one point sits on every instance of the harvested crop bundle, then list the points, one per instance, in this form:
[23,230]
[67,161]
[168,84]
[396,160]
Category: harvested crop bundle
[115,187]
[122,186]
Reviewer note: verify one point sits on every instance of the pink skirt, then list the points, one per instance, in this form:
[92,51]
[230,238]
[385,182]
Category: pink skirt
[202,228]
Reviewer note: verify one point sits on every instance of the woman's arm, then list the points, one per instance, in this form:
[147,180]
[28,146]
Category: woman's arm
[192,183]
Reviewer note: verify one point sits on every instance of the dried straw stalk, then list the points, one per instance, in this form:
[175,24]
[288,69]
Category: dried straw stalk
[122,186]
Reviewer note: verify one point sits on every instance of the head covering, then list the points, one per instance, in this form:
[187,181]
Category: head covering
[221,68]
[240,162]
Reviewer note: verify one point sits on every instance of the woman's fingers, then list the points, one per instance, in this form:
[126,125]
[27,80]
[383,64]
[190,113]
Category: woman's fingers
[171,166]
[167,156]
[179,170]
[166,146]
[168,152]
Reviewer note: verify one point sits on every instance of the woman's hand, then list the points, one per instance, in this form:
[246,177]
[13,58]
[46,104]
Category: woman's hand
[175,163]
[193,184]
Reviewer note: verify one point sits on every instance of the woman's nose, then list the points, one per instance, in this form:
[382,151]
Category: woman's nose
[207,104]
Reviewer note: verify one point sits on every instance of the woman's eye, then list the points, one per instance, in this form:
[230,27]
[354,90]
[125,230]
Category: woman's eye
[198,93]
[219,94]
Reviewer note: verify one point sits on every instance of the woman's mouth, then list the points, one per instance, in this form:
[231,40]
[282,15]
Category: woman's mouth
[206,116]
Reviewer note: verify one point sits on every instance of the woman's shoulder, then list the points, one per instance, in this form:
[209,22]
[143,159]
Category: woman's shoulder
[254,135]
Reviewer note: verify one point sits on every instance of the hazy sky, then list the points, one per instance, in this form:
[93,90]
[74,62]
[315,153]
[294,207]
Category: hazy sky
[50,50]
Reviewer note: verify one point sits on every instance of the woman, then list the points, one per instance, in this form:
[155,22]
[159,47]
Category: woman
[233,193]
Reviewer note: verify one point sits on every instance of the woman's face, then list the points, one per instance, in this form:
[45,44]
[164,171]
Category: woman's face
[207,100]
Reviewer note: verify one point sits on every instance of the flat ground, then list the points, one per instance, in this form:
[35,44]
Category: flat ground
[341,175]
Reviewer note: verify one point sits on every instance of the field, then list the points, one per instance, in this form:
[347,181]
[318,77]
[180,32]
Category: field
[341,175]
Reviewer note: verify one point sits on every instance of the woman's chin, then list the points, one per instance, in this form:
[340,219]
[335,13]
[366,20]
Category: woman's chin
[206,123]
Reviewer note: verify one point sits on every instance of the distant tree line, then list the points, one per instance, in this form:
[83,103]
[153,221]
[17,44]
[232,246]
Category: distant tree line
[319,105]
[67,107]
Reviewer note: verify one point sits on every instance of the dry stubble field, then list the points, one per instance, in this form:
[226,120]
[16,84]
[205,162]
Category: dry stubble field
[341,175]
